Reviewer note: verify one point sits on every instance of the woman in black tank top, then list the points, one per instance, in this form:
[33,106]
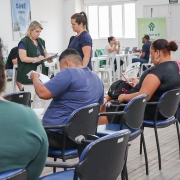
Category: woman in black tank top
[164,76]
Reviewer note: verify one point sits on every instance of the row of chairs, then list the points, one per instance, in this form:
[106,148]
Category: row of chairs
[130,120]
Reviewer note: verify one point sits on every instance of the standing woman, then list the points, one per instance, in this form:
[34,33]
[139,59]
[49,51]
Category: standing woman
[31,48]
[82,42]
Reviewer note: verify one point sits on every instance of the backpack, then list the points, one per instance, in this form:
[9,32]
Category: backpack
[117,88]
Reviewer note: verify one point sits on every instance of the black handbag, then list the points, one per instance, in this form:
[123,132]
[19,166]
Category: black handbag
[117,88]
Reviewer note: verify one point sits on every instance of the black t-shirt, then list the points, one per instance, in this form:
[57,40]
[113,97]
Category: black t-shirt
[12,55]
[168,74]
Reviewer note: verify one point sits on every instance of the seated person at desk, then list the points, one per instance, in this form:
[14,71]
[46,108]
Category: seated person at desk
[12,60]
[164,76]
[113,46]
[23,142]
[73,87]
[144,58]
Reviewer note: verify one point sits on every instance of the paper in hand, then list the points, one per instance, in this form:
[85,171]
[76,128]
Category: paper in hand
[43,78]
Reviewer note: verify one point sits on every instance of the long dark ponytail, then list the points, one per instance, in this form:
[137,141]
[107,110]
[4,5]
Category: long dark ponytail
[81,18]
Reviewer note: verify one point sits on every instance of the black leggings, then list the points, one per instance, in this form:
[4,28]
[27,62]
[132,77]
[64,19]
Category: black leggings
[115,64]
[56,140]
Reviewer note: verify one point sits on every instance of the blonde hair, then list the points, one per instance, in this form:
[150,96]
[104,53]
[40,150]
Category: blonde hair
[33,26]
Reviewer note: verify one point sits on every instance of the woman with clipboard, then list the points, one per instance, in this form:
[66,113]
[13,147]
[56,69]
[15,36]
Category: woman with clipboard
[31,49]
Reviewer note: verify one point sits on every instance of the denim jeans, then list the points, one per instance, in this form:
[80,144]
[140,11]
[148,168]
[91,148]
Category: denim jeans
[140,60]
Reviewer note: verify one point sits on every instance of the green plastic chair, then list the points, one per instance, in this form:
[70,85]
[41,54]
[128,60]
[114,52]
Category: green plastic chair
[97,53]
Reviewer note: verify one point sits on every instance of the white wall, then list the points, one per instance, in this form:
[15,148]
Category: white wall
[71,7]
[41,10]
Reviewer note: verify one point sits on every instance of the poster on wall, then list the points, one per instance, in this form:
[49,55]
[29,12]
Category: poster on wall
[21,18]
[154,27]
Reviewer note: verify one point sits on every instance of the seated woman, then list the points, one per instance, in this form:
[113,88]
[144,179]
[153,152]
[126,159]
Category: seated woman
[113,46]
[163,77]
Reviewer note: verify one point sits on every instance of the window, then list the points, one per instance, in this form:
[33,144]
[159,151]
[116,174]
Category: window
[112,20]
[93,21]
[117,21]
[103,21]
[129,19]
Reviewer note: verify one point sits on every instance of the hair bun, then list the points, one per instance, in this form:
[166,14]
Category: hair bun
[172,46]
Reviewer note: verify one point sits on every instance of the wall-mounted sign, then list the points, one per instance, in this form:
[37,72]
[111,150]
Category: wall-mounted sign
[21,17]
[173,1]
[154,27]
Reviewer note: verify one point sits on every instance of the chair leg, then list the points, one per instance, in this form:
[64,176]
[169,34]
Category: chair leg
[124,173]
[54,168]
[145,153]
[158,148]
[141,144]
[177,127]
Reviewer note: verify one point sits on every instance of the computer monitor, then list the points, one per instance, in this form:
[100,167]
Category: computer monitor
[134,49]
[126,50]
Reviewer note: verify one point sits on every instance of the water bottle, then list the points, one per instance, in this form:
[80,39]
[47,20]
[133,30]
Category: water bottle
[123,50]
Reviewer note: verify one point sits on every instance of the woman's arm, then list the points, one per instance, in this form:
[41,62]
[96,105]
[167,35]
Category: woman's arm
[24,58]
[149,87]
[87,54]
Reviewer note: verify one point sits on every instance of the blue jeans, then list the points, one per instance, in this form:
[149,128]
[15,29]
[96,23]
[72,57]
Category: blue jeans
[140,60]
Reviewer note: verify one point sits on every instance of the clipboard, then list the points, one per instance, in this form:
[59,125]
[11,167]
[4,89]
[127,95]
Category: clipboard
[128,81]
[47,58]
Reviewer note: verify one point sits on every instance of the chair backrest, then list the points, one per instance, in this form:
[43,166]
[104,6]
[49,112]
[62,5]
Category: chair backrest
[134,111]
[104,157]
[19,174]
[110,60]
[133,65]
[98,52]
[168,103]
[19,97]
[131,73]
[83,121]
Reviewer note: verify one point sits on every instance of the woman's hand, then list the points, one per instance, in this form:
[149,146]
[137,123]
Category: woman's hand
[14,61]
[39,58]
[135,81]
[121,97]
[118,43]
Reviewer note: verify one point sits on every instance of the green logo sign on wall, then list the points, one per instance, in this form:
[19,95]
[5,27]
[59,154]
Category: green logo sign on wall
[154,27]
[173,1]
[151,26]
